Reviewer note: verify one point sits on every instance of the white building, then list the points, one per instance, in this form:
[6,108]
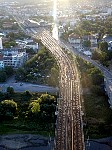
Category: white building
[93,40]
[74,39]
[109,11]
[15,61]
[32,45]
[13,57]
[10,51]
[2,34]
[110,45]
[1,45]
[87,53]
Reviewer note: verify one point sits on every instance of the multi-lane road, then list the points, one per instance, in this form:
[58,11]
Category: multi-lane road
[69,127]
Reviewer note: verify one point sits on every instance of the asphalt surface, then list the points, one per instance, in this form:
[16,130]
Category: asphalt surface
[100,144]
[69,132]
[25,142]
[23,86]
[104,70]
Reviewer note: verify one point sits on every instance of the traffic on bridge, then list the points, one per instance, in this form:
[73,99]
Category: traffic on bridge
[69,125]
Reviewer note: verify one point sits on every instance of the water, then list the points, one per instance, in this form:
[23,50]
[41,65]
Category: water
[55,25]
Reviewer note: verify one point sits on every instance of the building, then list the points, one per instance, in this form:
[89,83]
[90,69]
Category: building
[74,39]
[31,23]
[12,57]
[1,46]
[8,24]
[92,38]
[28,43]
[32,45]
[107,38]
[14,61]
[108,89]
[110,45]
[87,53]
[109,11]
[10,51]
[60,30]
[2,34]
[1,61]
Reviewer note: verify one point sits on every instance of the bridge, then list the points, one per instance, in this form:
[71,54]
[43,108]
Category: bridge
[69,125]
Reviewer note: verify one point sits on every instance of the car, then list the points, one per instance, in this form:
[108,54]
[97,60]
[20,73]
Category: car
[21,84]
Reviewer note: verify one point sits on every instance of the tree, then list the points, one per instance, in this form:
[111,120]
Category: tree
[96,76]
[3,76]
[26,96]
[53,80]
[33,110]
[9,70]
[34,107]
[8,109]
[20,74]
[46,98]
[101,56]
[103,46]
[6,45]
[95,55]
[10,35]
[87,43]
[10,90]
[13,43]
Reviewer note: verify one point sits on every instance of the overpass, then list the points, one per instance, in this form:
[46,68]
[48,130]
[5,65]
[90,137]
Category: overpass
[69,125]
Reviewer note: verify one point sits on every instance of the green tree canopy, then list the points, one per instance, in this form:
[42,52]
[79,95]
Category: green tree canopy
[103,46]
[3,76]
[8,109]
[34,107]
[96,76]
[46,98]
[9,70]
[87,43]
[10,90]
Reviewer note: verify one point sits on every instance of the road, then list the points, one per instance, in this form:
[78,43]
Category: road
[22,87]
[105,71]
[25,142]
[69,133]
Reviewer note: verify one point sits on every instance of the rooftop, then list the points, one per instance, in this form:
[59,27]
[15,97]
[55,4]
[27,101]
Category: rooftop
[74,36]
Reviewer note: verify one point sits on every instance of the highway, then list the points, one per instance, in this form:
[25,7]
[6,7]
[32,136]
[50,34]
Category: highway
[69,127]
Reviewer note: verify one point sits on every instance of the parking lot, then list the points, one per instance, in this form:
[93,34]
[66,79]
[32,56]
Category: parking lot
[22,87]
